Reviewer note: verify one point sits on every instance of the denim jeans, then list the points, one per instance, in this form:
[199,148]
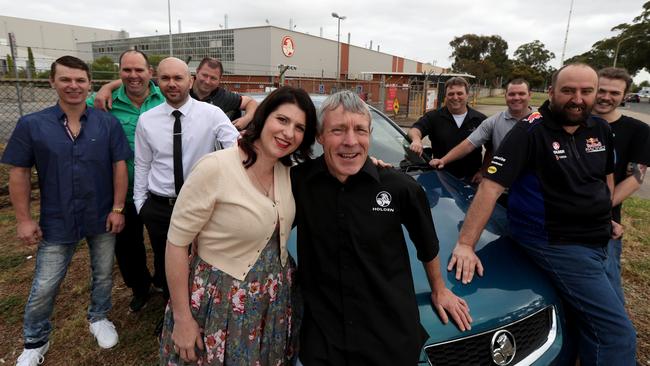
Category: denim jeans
[580,273]
[52,261]
[615,247]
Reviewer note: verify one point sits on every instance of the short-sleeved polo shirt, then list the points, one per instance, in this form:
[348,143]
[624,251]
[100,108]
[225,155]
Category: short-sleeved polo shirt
[228,101]
[75,176]
[558,188]
[493,130]
[128,115]
[354,265]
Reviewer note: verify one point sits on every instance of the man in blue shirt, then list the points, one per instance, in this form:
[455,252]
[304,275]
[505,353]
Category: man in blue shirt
[80,155]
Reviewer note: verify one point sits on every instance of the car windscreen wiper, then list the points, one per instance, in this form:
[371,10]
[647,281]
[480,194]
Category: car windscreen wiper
[409,166]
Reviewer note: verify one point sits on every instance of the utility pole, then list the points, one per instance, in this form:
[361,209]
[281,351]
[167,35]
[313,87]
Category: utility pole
[566,35]
[338,48]
[169,18]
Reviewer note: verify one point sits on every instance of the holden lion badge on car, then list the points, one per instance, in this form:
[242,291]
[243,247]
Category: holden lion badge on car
[503,347]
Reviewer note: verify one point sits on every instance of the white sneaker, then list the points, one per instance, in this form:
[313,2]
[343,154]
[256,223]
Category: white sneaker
[33,357]
[104,332]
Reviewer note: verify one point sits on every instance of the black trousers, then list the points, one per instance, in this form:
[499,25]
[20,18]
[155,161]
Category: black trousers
[156,216]
[130,252]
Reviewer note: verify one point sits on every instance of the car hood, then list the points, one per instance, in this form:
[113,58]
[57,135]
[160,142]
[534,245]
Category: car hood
[511,287]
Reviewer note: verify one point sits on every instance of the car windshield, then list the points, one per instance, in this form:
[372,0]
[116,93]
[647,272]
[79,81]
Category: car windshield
[388,142]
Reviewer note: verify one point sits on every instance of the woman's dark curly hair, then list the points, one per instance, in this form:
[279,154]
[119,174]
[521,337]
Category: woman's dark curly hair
[273,101]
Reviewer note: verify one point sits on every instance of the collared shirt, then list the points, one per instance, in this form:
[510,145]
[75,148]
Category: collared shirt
[632,145]
[128,115]
[203,126]
[494,129]
[444,134]
[558,189]
[354,265]
[75,176]
[229,102]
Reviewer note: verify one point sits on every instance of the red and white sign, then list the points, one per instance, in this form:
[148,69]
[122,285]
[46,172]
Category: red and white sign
[288,46]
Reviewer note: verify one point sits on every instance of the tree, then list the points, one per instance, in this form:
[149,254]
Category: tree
[104,68]
[531,63]
[632,42]
[526,72]
[535,55]
[31,64]
[485,57]
[154,60]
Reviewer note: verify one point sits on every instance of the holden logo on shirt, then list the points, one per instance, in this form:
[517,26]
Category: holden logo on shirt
[383,200]
[556,145]
[593,145]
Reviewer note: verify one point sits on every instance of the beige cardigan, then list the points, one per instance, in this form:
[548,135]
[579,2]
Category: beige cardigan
[233,220]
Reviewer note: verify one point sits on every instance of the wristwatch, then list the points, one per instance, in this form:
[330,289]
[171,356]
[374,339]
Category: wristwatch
[118,210]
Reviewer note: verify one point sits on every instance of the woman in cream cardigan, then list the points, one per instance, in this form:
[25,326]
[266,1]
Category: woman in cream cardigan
[235,301]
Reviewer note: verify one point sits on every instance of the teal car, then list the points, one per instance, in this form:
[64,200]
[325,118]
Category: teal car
[516,311]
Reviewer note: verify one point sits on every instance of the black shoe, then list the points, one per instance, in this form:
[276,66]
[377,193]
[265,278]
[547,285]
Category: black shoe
[138,302]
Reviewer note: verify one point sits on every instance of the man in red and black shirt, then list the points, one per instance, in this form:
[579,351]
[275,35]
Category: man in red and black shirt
[559,164]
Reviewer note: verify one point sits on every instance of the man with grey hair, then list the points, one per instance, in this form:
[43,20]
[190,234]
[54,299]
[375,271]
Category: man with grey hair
[169,139]
[360,305]
[448,127]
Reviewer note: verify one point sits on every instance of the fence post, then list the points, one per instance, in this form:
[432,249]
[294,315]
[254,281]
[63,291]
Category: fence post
[14,53]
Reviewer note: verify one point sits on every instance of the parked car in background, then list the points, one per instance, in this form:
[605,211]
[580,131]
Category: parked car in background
[633,98]
[518,318]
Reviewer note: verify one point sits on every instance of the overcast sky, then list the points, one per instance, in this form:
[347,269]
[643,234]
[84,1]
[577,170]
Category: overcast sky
[415,29]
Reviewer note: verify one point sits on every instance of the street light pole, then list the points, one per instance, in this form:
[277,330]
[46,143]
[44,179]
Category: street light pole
[338,46]
[618,46]
[169,17]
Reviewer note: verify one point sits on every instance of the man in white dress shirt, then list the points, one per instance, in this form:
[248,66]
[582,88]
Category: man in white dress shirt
[158,174]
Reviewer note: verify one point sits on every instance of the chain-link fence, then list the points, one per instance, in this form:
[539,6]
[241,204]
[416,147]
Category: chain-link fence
[19,97]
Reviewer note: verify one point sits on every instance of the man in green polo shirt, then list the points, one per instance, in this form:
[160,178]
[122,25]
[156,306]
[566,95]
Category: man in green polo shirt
[136,95]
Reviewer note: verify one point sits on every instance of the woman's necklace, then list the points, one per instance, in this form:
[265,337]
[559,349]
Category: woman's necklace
[259,183]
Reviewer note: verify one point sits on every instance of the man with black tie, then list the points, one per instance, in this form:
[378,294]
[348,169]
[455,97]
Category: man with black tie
[169,139]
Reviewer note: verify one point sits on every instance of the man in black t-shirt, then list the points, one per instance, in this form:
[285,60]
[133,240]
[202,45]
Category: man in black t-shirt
[206,89]
[449,126]
[559,165]
[631,144]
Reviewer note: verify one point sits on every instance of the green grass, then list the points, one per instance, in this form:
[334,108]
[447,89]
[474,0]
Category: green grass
[11,309]
[9,261]
[537,100]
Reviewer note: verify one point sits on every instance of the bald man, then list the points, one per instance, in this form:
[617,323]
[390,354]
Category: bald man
[169,139]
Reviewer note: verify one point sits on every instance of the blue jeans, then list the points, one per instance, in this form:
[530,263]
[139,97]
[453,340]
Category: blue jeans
[606,335]
[52,261]
[615,247]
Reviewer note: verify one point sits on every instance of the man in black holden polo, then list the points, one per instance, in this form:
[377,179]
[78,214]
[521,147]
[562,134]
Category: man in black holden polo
[448,127]
[354,270]
[558,164]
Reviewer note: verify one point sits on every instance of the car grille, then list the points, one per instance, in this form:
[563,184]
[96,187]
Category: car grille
[530,334]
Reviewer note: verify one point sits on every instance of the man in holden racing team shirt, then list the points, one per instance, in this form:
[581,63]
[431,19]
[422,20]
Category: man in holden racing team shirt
[559,166]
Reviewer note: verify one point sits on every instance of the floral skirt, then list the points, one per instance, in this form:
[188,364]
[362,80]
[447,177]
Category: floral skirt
[250,322]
